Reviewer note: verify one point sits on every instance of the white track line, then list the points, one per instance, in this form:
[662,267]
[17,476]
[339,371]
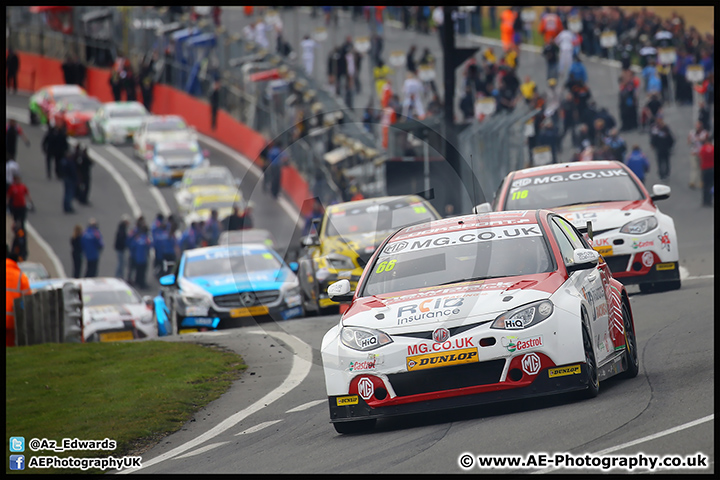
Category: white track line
[22,116]
[57,264]
[202,450]
[119,179]
[130,163]
[255,170]
[258,427]
[648,438]
[305,406]
[302,362]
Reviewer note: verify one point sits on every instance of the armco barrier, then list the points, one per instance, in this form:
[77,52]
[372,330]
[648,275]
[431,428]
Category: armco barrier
[37,71]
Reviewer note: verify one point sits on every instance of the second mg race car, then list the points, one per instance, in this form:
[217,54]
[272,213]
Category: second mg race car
[636,239]
[472,310]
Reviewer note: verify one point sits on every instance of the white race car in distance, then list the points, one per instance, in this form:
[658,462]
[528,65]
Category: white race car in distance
[637,240]
[160,128]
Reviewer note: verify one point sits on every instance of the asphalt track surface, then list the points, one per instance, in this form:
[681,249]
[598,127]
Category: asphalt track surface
[275,418]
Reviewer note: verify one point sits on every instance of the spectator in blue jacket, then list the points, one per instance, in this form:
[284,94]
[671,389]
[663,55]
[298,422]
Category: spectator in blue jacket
[212,229]
[190,238]
[638,163]
[578,70]
[92,245]
[140,253]
[156,230]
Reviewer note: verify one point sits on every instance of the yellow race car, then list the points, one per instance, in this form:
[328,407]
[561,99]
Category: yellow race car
[222,201]
[346,237]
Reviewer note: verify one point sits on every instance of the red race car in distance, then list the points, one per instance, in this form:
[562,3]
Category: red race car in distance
[74,113]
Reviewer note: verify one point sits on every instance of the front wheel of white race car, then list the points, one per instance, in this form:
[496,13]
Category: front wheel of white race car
[631,356]
[591,366]
[358,426]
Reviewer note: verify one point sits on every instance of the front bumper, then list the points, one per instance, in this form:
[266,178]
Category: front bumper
[120,136]
[212,317]
[633,259]
[415,373]
[345,408]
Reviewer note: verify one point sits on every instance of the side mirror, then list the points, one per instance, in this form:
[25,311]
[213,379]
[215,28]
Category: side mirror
[583,259]
[340,291]
[660,192]
[482,208]
[294,266]
[206,153]
[167,280]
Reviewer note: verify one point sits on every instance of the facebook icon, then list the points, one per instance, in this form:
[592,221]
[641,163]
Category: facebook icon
[17,462]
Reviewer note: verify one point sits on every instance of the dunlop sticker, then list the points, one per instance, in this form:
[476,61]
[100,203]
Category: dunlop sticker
[562,371]
[351,400]
[665,266]
[435,360]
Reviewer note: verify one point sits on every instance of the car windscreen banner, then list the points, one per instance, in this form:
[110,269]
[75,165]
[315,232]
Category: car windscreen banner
[569,177]
[461,238]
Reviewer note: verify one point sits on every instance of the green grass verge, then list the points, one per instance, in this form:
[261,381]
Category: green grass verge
[132,392]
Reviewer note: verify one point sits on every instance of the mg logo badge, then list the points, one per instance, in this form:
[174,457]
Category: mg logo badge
[531,364]
[247,299]
[441,335]
[366,389]
[396,247]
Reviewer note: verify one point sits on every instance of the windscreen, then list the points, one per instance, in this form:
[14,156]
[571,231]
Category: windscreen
[195,180]
[455,257]
[167,125]
[109,297]
[223,263]
[376,218]
[82,104]
[126,113]
[571,188]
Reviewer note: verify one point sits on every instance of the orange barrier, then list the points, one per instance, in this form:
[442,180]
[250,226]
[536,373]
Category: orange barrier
[37,71]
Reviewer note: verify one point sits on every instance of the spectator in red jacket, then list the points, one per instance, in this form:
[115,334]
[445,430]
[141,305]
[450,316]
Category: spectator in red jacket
[17,198]
[707,166]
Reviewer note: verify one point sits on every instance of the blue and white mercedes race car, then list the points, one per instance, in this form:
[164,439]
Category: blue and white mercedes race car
[214,285]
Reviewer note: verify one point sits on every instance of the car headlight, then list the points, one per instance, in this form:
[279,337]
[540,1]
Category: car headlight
[146,319]
[363,339]
[638,227]
[524,316]
[159,160]
[340,262]
[195,299]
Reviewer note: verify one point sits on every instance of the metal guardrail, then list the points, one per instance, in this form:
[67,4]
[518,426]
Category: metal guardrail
[49,316]
[496,146]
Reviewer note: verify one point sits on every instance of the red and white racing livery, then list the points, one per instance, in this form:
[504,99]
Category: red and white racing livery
[636,239]
[475,309]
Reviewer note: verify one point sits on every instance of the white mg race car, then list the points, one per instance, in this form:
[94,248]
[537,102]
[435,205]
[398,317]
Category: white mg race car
[636,239]
[476,309]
